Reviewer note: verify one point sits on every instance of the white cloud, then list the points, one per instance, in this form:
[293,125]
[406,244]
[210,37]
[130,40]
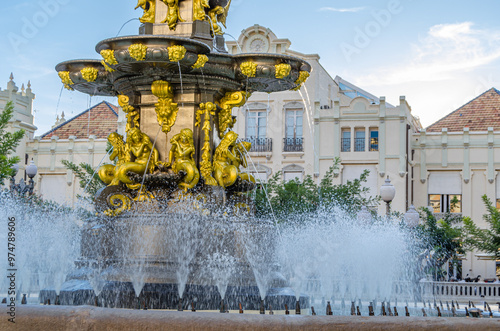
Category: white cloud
[445,51]
[343,10]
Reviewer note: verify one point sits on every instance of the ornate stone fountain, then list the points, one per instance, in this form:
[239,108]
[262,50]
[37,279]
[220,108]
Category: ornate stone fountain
[177,86]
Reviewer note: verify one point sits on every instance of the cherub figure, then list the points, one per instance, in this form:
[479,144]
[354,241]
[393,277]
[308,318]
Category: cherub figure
[219,14]
[181,158]
[173,14]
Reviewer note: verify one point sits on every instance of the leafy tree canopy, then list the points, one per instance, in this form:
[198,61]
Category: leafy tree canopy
[8,143]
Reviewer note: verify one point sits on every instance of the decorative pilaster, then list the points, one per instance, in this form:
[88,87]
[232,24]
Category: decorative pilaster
[91,149]
[402,135]
[423,157]
[316,147]
[53,148]
[444,147]
[71,148]
[466,171]
[491,156]
[337,134]
[382,137]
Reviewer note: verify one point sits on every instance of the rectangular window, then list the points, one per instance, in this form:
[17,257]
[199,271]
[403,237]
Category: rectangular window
[291,175]
[256,124]
[359,141]
[442,203]
[294,124]
[346,140]
[373,140]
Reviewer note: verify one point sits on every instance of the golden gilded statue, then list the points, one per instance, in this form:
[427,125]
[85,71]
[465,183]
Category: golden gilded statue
[132,114]
[66,80]
[218,14]
[149,8]
[208,110]
[120,151]
[173,14]
[199,9]
[225,172]
[141,147]
[181,158]
[231,100]
[240,151]
[166,109]
[283,70]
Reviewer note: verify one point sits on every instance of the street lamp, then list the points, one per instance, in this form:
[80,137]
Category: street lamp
[412,218]
[22,188]
[387,193]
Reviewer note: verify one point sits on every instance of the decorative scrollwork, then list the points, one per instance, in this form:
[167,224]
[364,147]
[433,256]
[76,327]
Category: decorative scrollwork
[231,100]
[208,110]
[166,109]
[66,80]
[89,74]
[176,53]
[138,51]
[283,70]
[132,114]
[200,63]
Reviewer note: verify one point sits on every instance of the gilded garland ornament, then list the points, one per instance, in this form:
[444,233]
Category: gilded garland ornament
[66,80]
[166,109]
[109,56]
[199,9]
[200,63]
[89,74]
[303,76]
[208,110]
[283,70]
[181,158]
[230,100]
[138,51]
[173,14]
[149,8]
[132,114]
[176,53]
[248,69]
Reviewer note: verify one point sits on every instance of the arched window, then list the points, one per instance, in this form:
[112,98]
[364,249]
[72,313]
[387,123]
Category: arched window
[293,171]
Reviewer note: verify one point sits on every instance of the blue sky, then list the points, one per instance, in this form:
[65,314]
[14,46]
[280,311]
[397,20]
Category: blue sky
[439,54]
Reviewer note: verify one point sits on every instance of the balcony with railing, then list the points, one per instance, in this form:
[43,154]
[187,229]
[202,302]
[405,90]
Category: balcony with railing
[373,144]
[293,144]
[260,145]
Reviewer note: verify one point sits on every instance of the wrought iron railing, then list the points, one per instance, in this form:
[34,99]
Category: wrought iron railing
[293,144]
[346,144]
[359,144]
[260,144]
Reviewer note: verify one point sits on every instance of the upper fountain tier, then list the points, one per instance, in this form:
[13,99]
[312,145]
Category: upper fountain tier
[180,39]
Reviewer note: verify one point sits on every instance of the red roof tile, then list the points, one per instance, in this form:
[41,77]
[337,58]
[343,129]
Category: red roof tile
[103,121]
[478,115]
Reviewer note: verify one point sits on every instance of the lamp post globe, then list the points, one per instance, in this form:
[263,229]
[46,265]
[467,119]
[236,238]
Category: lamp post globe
[412,218]
[15,167]
[387,193]
[31,170]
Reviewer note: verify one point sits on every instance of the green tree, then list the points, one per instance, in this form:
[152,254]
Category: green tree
[8,143]
[443,237]
[89,180]
[485,240]
[284,198]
